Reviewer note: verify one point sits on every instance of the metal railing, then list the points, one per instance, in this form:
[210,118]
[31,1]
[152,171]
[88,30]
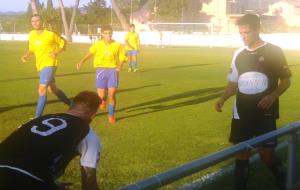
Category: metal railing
[167,177]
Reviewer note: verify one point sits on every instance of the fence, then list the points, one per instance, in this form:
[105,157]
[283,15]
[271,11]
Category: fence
[177,173]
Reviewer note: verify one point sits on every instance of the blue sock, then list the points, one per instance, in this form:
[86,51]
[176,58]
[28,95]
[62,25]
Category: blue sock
[111,110]
[41,105]
[62,97]
[135,64]
[130,64]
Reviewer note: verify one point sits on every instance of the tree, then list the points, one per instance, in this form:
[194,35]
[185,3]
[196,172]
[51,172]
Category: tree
[64,20]
[68,30]
[33,7]
[119,14]
[154,10]
[51,17]
[97,12]
[191,10]
[141,15]
[72,22]
[170,10]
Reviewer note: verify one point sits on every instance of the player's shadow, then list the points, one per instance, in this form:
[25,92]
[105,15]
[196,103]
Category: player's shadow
[194,65]
[182,66]
[8,108]
[183,99]
[36,77]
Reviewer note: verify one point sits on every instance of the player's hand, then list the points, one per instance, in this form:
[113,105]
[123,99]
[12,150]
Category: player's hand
[78,65]
[267,101]
[24,58]
[53,55]
[219,104]
[118,69]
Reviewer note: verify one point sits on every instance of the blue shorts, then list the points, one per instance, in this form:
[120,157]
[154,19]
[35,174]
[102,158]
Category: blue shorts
[132,52]
[107,78]
[47,75]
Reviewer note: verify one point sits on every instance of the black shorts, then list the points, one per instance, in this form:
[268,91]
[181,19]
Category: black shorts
[15,180]
[245,130]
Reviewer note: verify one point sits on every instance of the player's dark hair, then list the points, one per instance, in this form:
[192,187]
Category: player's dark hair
[87,98]
[249,19]
[106,28]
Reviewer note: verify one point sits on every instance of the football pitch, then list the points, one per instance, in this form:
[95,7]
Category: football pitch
[165,112]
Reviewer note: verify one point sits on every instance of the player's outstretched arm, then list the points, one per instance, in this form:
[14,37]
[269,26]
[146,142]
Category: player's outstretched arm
[88,178]
[229,91]
[83,60]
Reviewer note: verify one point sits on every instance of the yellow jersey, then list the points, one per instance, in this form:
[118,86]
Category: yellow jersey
[133,39]
[41,45]
[108,55]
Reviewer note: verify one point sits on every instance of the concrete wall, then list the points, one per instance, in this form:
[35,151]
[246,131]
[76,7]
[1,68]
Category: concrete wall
[284,40]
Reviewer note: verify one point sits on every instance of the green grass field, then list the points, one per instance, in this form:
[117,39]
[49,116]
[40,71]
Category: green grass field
[165,112]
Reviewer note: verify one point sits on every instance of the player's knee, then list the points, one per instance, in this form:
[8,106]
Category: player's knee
[52,89]
[42,90]
[266,155]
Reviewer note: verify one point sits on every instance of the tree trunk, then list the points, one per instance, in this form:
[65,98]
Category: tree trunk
[33,7]
[143,15]
[73,17]
[119,14]
[140,16]
[64,19]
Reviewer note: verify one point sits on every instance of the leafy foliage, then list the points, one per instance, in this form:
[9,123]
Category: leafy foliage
[96,12]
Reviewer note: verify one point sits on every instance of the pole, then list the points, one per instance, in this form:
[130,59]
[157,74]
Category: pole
[292,160]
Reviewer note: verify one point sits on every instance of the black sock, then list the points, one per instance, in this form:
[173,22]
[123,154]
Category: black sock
[241,173]
[279,172]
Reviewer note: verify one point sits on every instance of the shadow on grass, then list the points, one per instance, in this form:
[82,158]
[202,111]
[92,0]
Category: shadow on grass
[8,108]
[180,67]
[85,73]
[198,96]
[36,77]
[194,65]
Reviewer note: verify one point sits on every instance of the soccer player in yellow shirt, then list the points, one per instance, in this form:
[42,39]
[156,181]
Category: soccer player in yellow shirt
[46,46]
[132,41]
[109,58]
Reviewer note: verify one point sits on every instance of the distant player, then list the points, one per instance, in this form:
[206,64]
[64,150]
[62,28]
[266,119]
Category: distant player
[258,76]
[46,46]
[37,153]
[109,58]
[132,45]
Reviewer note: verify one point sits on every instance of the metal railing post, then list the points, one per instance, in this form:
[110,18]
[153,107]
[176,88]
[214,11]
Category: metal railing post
[292,160]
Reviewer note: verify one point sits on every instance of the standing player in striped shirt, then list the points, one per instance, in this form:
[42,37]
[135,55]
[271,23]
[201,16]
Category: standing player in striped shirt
[46,46]
[132,45]
[259,75]
[109,58]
